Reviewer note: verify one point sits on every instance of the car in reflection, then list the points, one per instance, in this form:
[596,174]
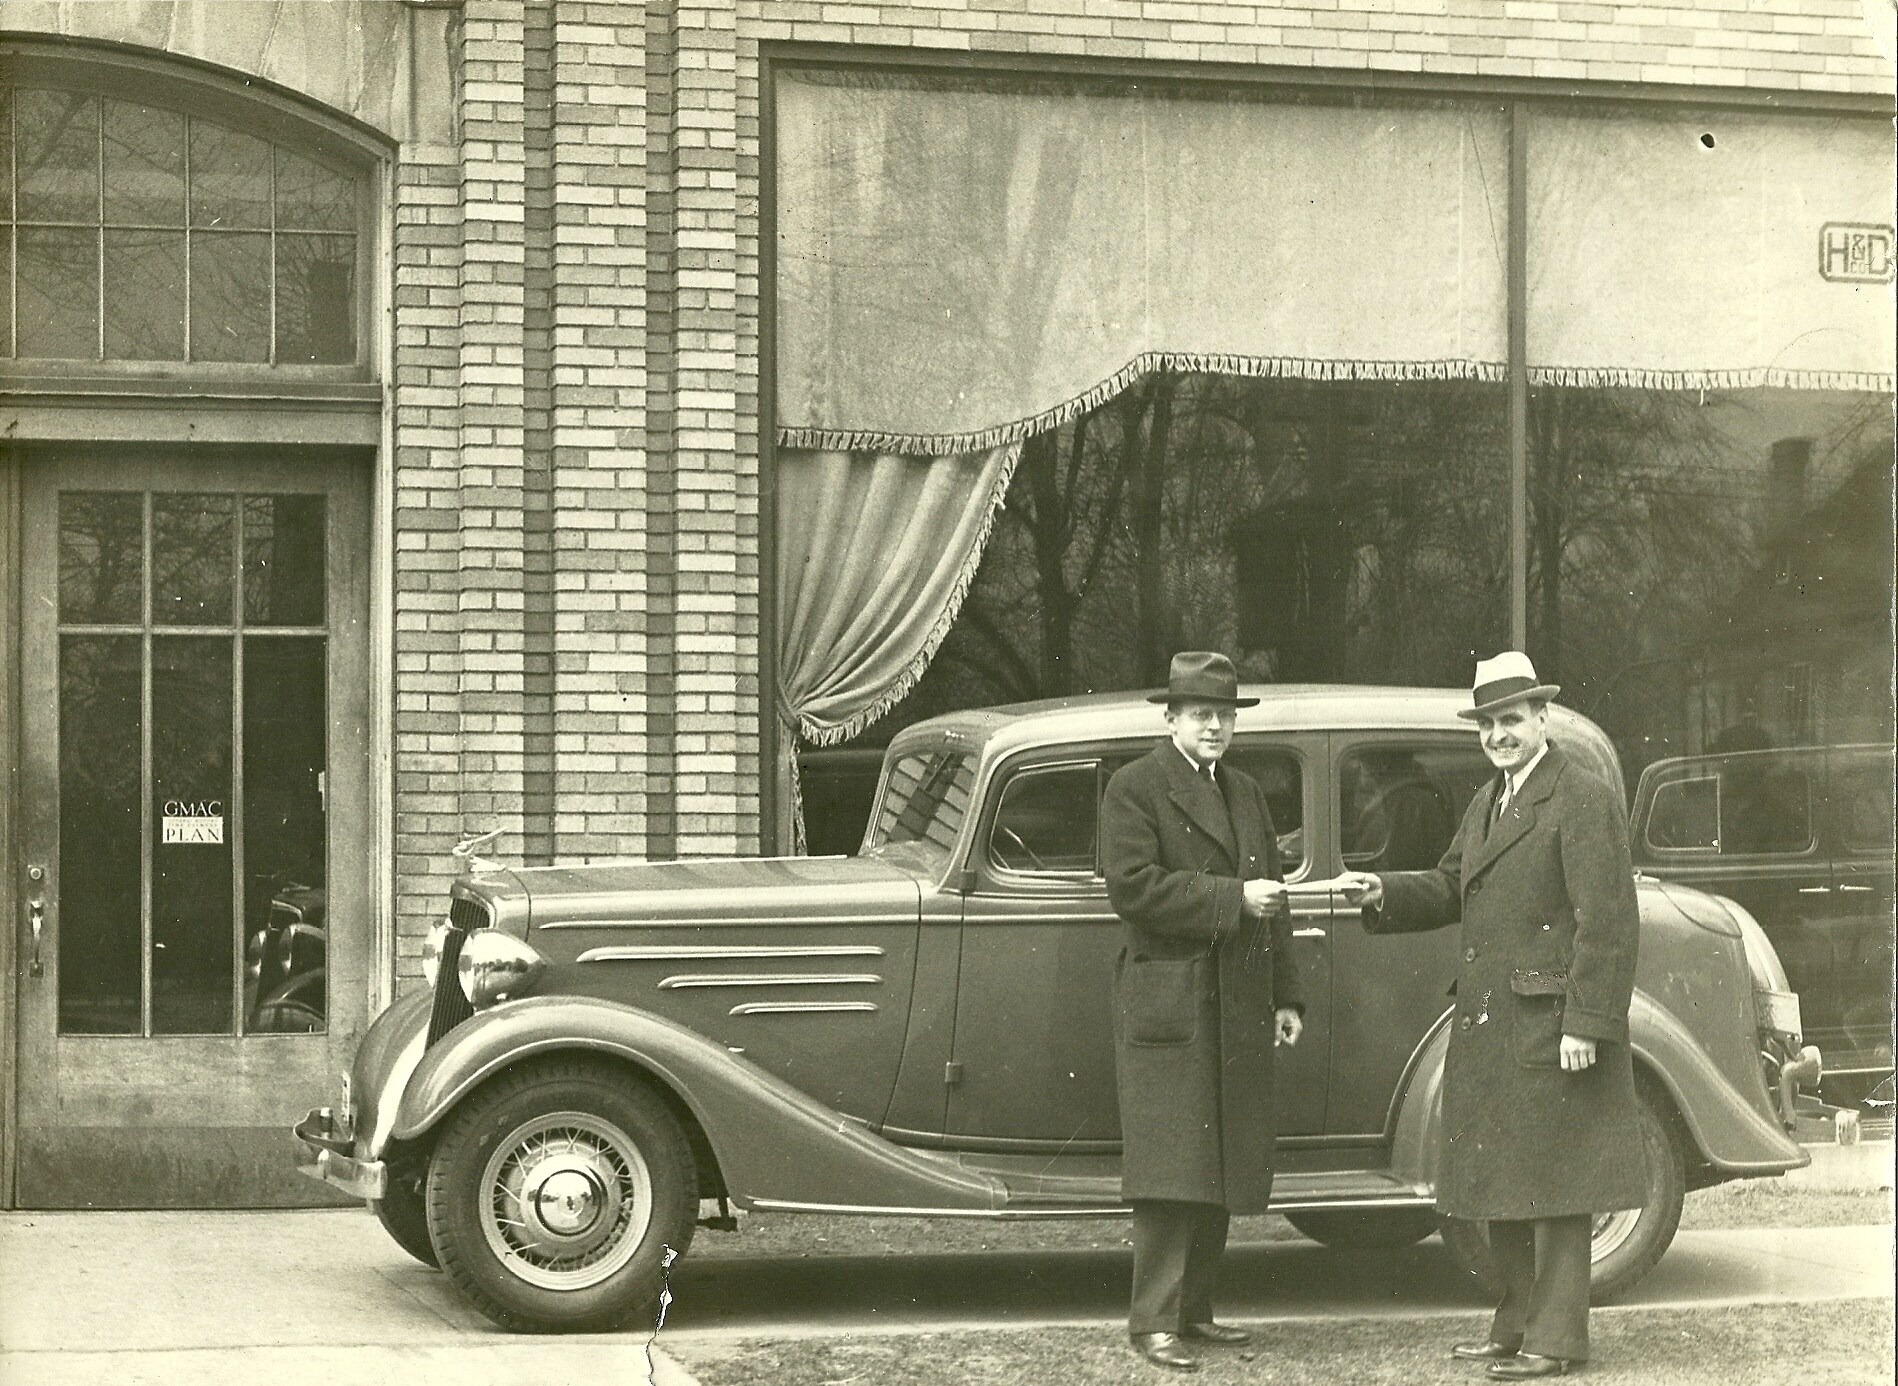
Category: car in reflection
[1801,837]
[609,1055]
[286,964]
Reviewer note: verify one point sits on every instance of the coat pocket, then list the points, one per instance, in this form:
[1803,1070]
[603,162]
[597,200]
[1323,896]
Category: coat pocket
[1538,1020]
[1160,1000]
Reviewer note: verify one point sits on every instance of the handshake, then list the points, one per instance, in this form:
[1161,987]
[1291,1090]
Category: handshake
[1262,898]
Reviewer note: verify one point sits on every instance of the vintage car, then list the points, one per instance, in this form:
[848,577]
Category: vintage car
[1801,838]
[610,1054]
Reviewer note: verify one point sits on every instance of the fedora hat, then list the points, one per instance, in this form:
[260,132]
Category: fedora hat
[1202,676]
[1503,679]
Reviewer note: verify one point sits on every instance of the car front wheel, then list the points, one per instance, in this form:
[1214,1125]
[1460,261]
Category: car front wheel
[555,1195]
[1627,1243]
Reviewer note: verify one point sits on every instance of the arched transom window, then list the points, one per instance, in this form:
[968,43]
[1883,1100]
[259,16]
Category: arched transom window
[138,232]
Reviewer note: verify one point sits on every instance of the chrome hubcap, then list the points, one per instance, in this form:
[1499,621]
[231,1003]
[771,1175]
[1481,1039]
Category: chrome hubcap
[1611,1230]
[566,1200]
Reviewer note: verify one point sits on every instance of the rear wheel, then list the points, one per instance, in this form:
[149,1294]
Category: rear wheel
[1625,1244]
[555,1194]
[1365,1227]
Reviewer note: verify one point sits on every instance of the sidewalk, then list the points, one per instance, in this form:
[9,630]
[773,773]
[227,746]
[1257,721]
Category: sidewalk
[323,1297]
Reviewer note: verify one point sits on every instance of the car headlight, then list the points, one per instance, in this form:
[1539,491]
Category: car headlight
[432,946]
[494,967]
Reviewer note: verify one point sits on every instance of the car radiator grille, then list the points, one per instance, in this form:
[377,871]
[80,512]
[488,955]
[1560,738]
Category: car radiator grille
[451,1007]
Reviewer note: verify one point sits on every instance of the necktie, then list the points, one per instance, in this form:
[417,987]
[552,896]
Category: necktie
[1502,800]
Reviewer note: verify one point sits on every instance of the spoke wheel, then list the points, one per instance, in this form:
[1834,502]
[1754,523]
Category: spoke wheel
[1625,1244]
[554,1194]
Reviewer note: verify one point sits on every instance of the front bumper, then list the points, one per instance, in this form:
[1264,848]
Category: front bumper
[325,1151]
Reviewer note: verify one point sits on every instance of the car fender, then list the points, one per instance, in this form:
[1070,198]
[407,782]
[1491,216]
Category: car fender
[1731,1134]
[775,1145]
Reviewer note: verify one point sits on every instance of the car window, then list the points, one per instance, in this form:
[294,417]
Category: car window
[1862,787]
[1685,816]
[1279,775]
[1398,806]
[1765,806]
[1046,821]
[925,799]
[1747,805]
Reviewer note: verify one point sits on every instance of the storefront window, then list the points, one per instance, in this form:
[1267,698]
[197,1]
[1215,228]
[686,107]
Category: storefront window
[1713,572]
[142,234]
[1352,532]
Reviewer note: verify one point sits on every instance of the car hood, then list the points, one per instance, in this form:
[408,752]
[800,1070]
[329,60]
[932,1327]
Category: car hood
[779,889]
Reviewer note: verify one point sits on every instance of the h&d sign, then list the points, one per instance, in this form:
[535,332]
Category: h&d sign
[193,820]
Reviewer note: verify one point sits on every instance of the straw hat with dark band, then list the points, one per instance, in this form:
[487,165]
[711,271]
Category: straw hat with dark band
[1504,679]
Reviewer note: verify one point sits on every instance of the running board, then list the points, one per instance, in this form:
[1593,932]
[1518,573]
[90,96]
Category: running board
[1078,1195]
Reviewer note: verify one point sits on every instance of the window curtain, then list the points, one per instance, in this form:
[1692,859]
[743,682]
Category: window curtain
[1710,251]
[963,263]
[875,554]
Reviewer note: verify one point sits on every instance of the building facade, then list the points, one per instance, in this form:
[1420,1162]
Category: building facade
[419,417]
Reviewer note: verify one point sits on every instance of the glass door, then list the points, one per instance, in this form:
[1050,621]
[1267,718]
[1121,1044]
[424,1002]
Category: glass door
[194,680]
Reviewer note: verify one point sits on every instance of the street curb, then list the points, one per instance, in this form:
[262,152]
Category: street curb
[1861,1167]
[667,1370]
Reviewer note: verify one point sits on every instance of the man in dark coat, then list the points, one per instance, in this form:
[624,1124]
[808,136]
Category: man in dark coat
[1205,987]
[1541,1130]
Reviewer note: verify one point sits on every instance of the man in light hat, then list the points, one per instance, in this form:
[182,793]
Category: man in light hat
[1204,989]
[1540,1127]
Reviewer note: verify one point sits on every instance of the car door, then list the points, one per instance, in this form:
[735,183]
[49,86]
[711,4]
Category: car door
[1395,803]
[1032,1058]
[1745,826]
[1859,835]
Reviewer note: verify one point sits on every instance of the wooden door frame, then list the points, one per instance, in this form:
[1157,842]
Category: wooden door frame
[11,902]
[356,778]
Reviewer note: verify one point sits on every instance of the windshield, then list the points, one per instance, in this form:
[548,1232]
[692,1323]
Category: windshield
[925,798]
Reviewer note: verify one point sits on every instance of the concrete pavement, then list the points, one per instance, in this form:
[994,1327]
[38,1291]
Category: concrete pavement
[323,1296]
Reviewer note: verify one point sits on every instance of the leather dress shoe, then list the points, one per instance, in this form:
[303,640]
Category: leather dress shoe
[1165,1350]
[1482,1352]
[1525,1365]
[1210,1332]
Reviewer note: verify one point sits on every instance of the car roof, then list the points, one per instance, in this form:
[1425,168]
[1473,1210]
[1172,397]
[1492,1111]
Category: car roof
[1282,707]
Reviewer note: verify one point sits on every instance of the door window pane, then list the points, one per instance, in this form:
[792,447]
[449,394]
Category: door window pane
[1862,786]
[230,297]
[193,936]
[58,155]
[285,720]
[193,559]
[99,879]
[230,178]
[1046,822]
[144,166]
[145,295]
[1279,776]
[57,291]
[316,299]
[101,557]
[283,560]
[1399,806]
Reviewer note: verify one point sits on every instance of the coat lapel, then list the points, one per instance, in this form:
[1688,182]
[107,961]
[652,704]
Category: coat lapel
[1198,800]
[1519,817]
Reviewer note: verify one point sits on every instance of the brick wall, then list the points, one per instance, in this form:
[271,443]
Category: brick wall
[575,365]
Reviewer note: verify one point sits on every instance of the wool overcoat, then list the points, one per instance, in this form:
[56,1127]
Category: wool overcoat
[1545,896]
[1197,983]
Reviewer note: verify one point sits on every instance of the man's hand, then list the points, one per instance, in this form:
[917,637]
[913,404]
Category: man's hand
[1261,897]
[1290,1026]
[1577,1053]
[1361,888]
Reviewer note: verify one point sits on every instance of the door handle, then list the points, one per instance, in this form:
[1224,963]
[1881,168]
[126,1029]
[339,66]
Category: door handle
[1815,890]
[1311,932]
[1855,890]
[36,917]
